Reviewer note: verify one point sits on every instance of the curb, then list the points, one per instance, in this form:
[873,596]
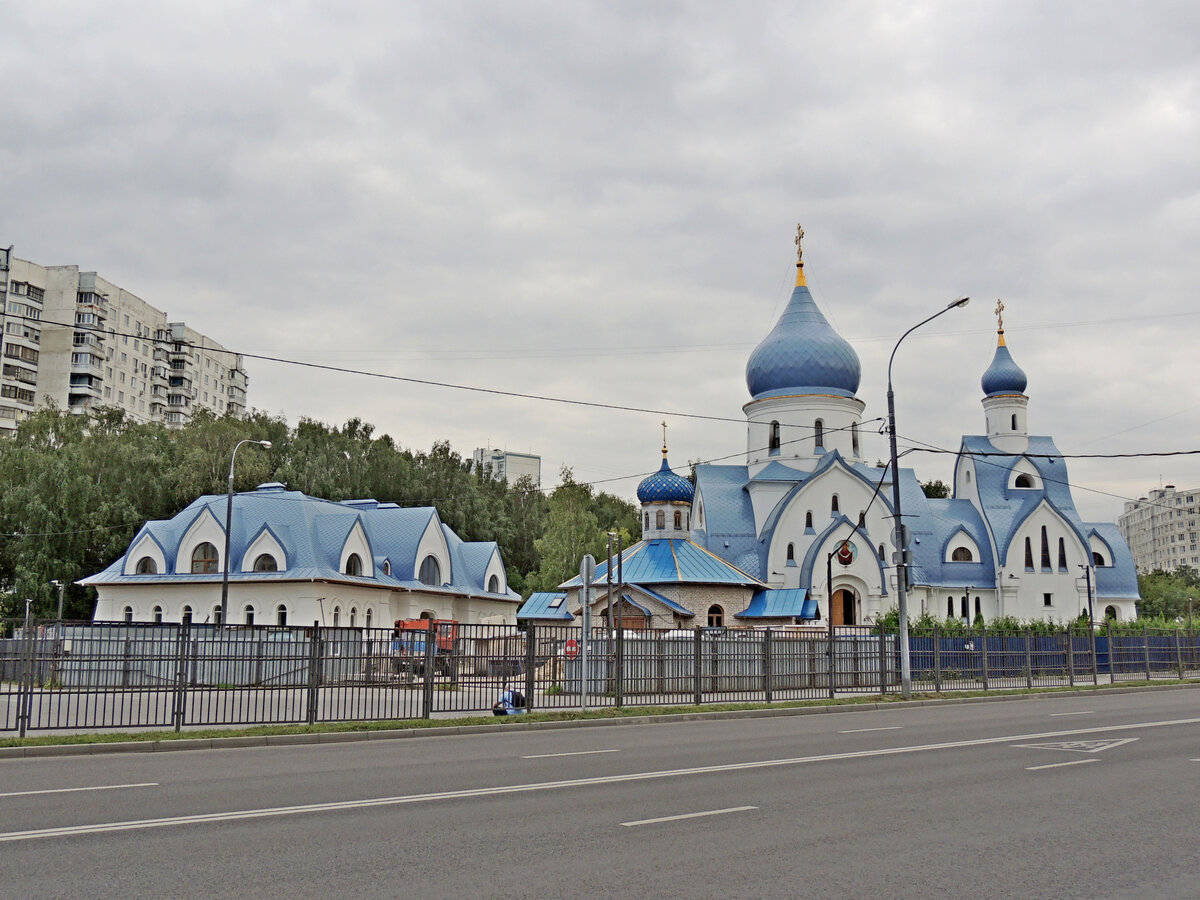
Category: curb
[345,737]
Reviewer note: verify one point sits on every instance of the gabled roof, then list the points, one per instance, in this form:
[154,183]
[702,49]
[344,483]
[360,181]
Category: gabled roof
[1119,580]
[544,605]
[780,603]
[669,561]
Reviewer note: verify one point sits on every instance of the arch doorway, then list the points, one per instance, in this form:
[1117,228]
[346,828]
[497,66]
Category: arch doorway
[845,606]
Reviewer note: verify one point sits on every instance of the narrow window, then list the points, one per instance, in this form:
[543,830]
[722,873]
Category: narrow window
[204,559]
[1062,555]
[833,505]
[281,615]
[773,440]
[1028,555]
[187,615]
[1045,550]
[978,608]
[791,553]
[808,520]
[854,438]
[129,614]
[431,571]
[1110,612]
[963,606]
[881,553]
[716,617]
[949,607]
[158,615]
[494,584]
[387,567]
[368,619]
[818,435]
[249,612]
[646,524]
[968,476]
[1014,422]
[216,615]
[266,563]
[353,564]
[337,616]
[1047,599]
[146,566]
[660,520]
[962,554]
[678,520]
[353,616]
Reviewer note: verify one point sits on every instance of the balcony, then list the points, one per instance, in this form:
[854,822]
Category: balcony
[86,363]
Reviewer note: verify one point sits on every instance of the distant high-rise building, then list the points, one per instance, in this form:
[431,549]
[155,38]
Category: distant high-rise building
[81,342]
[1161,529]
[509,466]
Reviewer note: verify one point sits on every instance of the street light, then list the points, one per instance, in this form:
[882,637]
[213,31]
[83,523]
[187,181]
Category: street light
[898,534]
[229,525]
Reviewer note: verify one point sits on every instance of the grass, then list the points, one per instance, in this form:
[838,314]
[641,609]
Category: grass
[482,718]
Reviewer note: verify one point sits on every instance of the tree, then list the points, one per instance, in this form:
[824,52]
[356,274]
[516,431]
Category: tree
[936,489]
[1166,594]
[571,531]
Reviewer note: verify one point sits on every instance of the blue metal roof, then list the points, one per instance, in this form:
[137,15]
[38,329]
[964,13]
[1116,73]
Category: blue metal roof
[780,603]
[545,605]
[669,561]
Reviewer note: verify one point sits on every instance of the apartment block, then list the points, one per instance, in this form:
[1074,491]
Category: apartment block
[1161,529]
[507,465]
[80,341]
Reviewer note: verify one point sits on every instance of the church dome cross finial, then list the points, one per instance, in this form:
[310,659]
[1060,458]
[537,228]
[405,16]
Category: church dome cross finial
[800,255]
[1000,316]
[664,428]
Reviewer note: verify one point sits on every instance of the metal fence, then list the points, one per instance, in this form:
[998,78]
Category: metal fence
[86,675]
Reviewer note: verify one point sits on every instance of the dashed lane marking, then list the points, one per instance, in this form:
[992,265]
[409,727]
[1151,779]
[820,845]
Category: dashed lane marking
[695,815]
[572,753]
[1074,762]
[100,787]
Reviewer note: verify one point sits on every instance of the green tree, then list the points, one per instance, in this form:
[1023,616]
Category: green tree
[571,530]
[936,489]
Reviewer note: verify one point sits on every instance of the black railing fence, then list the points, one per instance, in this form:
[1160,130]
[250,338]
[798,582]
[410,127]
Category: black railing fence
[103,675]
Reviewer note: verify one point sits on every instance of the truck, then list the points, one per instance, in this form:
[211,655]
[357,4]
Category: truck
[408,646]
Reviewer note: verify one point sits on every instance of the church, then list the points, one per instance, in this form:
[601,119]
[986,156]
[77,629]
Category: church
[803,531]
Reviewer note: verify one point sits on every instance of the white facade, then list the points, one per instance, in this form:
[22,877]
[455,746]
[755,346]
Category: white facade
[508,465]
[1161,529]
[80,341]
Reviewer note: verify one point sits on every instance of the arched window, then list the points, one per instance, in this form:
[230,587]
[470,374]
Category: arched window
[716,617]
[1097,559]
[818,435]
[248,612]
[216,615]
[266,563]
[1045,549]
[353,616]
[963,606]
[281,615]
[854,438]
[808,520]
[1028,555]
[337,616]
[978,608]
[646,524]
[1023,481]
[204,559]
[158,615]
[882,551]
[833,504]
[660,520]
[368,619]
[962,554]
[791,553]
[387,567]
[949,607]
[494,584]
[1014,422]
[968,476]
[146,566]
[431,571]
[1062,555]
[128,614]
[773,441]
[1110,612]
[187,615]
[353,564]
[678,520]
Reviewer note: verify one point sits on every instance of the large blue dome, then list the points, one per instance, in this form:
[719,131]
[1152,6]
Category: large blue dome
[803,354]
[1003,376]
[664,486]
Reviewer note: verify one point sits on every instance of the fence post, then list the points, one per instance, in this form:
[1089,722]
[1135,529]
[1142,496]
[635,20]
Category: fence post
[882,664]
[1146,649]
[1028,657]
[832,662]
[430,655]
[1112,654]
[530,662]
[1092,643]
[937,658]
[983,654]
[314,673]
[1178,655]
[766,664]
[621,665]
[25,682]
[696,668]
[181,668]
[1070,656]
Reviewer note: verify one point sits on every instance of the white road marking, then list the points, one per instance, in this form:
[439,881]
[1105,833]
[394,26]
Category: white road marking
[573,753]
[1074,762]
[1082,712]
[337,806]
[1079,746]
[695,815]
[102,787]
[861,730]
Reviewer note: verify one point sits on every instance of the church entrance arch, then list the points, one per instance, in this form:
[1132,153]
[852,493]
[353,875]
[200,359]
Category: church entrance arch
[845,606]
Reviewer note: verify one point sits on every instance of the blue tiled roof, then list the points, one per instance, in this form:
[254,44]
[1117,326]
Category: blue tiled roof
[803,354]
[545,605]
[728,516]
[780,603]
[664,486]
[1119,579]
[777,471]
[1003,376]
[667,561]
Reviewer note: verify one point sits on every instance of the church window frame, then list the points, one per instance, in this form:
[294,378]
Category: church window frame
[430,572]
[146,566]
[205,559]
[1062,554]
[949,607]
[716,616]
[1023,481]
[833,505]
[808,520]
[354,565]
[962,554]
[1046,567]
[791,552]
[265,562]
[1098,559]
[854,438]
[773,440]
[646,524]
[818,435]
[660,520]
[678,520]
[1014,421]
[1028,554]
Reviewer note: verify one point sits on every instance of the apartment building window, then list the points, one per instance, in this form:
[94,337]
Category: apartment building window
[25,354]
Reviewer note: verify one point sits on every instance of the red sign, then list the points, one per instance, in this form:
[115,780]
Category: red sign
[572,648]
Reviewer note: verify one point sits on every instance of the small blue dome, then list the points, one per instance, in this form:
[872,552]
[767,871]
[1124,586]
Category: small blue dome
[803,354]
[664,486]
[1003,376]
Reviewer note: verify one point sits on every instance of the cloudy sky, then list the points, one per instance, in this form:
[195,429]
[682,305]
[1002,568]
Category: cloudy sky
[596,201]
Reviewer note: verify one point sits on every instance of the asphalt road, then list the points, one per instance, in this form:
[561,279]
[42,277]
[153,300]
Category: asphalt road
[1076,796]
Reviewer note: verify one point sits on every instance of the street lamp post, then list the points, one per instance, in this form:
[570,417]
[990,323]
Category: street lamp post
[228,526]
[898,535]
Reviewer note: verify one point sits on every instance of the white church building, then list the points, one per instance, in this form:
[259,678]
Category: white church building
[1010,541]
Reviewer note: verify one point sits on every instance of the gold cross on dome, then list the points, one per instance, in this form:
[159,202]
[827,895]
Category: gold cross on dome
[1000,315]
[799,247]
[664,426]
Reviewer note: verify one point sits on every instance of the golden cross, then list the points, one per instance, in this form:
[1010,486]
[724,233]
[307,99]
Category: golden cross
[799,248]
[1000,315]
[664,425]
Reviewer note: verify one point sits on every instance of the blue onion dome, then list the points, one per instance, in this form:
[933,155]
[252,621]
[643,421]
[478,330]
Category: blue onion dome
[803,354]
[664,486]
[1003,376]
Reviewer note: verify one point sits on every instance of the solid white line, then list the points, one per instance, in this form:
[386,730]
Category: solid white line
[861,730]
[1074,762]
[102,787]
[695,815]
[1084,712]
[500,790]
[573,753]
